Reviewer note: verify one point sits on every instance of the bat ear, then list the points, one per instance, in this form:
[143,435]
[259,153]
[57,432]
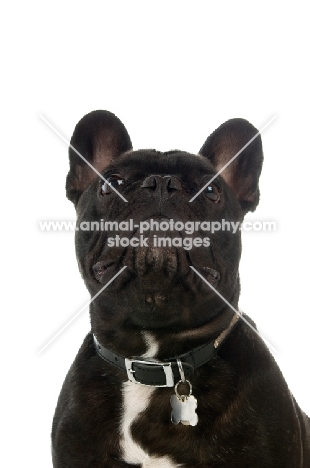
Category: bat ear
[98,138]
[242,173]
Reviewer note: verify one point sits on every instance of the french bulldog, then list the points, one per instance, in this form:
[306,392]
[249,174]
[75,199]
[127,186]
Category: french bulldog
[171,374]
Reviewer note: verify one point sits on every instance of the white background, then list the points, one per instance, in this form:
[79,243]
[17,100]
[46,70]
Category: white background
[172,72]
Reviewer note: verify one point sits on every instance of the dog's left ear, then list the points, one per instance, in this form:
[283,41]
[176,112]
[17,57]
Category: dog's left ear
[242,174]
[99,137]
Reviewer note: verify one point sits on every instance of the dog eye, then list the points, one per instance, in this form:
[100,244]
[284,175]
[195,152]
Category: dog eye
[213,193]
[114,180]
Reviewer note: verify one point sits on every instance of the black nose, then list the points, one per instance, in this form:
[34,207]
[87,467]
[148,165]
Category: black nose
[162,183]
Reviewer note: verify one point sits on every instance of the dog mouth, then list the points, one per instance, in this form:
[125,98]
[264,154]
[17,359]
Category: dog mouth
[211,275]
[159,267]
[101,268]
[159,282]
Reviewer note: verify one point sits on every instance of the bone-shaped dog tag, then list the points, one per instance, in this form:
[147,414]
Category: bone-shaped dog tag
[184,410]
[183,406]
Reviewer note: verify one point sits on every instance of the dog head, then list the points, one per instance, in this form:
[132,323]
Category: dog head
[158,290]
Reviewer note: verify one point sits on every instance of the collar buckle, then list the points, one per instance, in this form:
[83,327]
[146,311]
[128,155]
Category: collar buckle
[166,367]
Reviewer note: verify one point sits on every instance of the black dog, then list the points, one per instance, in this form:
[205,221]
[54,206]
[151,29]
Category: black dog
[222,401]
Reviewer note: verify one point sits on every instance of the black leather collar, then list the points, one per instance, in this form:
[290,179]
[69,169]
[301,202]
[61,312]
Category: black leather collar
[165,373]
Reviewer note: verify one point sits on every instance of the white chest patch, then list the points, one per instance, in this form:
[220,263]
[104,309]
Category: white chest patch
[136,399]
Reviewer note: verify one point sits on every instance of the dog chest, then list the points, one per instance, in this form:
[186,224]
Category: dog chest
[136,399]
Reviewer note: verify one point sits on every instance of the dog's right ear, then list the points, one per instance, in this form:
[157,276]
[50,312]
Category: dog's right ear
[99,137]
[241,173]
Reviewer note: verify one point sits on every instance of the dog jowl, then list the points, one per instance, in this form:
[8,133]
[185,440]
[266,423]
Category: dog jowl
[169,375]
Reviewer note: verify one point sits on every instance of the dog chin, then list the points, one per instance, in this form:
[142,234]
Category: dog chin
[151,305]
[171,319]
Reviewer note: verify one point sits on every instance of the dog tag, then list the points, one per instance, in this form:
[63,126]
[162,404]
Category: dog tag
[184,408]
